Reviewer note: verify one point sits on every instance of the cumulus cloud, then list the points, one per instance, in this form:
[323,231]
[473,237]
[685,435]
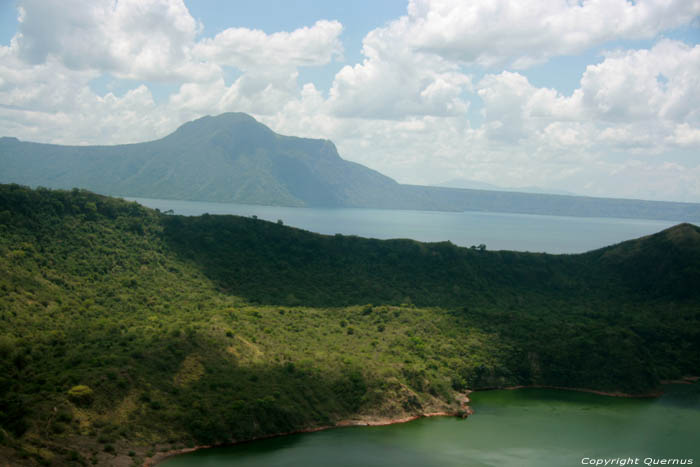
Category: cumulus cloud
[685,135]
[51,102]
[631,128]
[635,96]
[256,93]
[524,32]
[249,49]
[395,81]
[639,105]
[91,119]
[662,82]
[136,39]
[155,40]
[412,66]
[61,47]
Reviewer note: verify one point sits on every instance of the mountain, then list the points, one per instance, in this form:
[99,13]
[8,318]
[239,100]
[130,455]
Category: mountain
[229,158]
[125,331]
[477,185]
[234,158]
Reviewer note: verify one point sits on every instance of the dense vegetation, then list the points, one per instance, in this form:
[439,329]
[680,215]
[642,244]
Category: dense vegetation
[234,158]
[124,330]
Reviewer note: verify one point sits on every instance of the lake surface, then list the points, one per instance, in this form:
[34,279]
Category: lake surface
[498,231]
[528,427]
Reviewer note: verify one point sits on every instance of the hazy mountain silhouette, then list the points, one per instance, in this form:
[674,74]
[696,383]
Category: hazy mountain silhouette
[229,158]
[477,185]
[234,158]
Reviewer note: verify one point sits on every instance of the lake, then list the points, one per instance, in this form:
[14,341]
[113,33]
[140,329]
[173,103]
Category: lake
[498,231]
[527,427]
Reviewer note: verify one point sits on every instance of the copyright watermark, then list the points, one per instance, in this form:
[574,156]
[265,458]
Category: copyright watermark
[622,461]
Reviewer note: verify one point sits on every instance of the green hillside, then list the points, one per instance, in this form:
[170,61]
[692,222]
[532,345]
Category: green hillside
[124,331]
[234,158]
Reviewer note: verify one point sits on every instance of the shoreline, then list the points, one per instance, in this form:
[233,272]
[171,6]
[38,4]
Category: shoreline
[465,410]
[682,380]
[649,395]
[161,456]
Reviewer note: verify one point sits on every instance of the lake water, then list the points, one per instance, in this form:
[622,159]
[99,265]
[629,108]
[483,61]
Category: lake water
[498,231]
[529,427]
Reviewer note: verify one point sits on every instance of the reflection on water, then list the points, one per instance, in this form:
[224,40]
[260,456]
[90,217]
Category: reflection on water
[529,427]
[498,231]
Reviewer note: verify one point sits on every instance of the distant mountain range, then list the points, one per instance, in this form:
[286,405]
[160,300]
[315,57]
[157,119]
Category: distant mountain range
[477,185]
[234,158]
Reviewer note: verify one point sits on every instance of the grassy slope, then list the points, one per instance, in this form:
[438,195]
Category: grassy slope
[197,330]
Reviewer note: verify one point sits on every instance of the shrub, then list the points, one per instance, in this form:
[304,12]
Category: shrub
[81,394]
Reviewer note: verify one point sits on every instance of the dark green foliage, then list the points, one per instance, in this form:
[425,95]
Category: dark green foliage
[663,265]
[190,328]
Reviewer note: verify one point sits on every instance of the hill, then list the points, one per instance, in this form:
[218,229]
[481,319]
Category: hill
[477,185]
[234,158]
[663,264]
[124,330]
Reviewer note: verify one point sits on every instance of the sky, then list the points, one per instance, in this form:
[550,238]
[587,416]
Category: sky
[593,97]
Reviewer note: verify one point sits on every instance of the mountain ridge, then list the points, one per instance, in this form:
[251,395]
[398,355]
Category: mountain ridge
[124,330]
[666,263]
[234,158]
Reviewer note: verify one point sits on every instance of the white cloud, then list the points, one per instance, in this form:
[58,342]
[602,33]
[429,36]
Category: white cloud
[662,82]
[46,71]
[685,135]
[412,65]
[250,49]
[395,81]
[258,93]
[135,39]
[523,32]
[623,98]
[538,136]
[155,40]
[91,120]
[632,128]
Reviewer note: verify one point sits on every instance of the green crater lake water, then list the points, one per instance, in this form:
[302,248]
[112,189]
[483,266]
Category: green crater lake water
[528,427]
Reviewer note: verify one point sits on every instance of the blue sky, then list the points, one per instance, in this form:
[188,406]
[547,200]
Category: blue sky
[597,98]
[215,16]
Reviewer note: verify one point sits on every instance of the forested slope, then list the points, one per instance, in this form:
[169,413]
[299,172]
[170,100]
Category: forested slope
[124,330]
